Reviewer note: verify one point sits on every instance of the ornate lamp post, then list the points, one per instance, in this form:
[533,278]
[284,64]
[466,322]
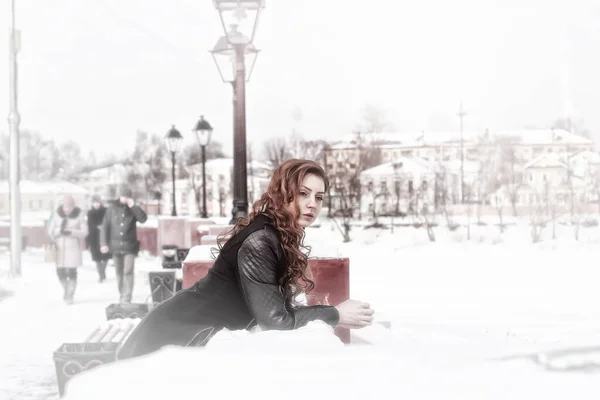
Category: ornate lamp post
[239,19]
[203,132]
[173,140]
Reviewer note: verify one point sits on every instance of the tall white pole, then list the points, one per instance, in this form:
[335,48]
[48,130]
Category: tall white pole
[461,114]
[13,125]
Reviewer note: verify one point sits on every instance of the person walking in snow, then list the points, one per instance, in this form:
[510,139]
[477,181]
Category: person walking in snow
[258,273]
[95,216]
[119,237]
[68,229]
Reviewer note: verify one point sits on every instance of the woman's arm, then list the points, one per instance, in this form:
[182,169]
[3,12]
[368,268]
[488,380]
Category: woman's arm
[55,227]
[258,258]
[82,232]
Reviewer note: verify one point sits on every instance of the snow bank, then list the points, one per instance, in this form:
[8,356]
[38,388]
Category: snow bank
[311,363]
[200,253]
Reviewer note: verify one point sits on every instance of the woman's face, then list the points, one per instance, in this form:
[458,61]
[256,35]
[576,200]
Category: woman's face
[310,199]
[68,204]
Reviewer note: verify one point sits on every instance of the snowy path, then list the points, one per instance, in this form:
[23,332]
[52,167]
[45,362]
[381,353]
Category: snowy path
[38,322]
[447,303]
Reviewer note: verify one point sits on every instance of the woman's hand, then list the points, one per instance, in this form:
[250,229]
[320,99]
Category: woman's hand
[354,314]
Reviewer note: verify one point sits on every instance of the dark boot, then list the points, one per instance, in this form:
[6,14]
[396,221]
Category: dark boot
[70,291]
[101,267]
[64,282]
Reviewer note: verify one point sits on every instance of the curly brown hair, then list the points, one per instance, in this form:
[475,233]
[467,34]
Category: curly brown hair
[283,189]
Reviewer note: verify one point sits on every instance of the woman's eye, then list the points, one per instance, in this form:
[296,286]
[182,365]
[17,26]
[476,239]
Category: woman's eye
[319,198]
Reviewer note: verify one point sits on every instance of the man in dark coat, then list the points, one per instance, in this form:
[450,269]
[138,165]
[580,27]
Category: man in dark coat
[119,237]
[94,220]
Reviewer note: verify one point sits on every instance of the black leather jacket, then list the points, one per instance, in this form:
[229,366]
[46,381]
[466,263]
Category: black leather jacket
[259,261]
[119,231]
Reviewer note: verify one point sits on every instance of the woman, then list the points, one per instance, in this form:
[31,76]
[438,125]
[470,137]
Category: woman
[94,221]
[67,230]
[259,271]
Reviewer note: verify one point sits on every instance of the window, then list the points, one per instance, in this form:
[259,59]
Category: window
[384,188]
[35,205]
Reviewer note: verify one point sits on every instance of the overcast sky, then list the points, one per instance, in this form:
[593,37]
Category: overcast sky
[97,70]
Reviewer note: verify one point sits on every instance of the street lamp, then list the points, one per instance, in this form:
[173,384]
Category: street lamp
[203,132]
[241,14]
[228,60]
[239,19]
[173,140]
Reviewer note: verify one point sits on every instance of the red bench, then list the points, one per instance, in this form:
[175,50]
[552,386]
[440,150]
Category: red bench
[331,277]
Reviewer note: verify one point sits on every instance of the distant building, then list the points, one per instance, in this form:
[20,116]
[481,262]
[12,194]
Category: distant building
[42,197]
[219,187]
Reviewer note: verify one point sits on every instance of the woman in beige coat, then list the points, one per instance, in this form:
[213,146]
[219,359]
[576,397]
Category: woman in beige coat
[68,228]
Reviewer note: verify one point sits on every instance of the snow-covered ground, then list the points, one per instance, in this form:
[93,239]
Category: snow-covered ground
[484,319]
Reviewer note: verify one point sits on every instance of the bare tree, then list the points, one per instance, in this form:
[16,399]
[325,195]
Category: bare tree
[442,196]
[498,203]
[509,169]
[550,201]
[311,150]
[280,149]
[373,120]
[363,153]
[277,150]
[381,192]
[156,174]
[594,182]
[571,126]
[538,212]
[69,157]
[424,214]
[486,182]
[31,162]
[196,184]
[574,203]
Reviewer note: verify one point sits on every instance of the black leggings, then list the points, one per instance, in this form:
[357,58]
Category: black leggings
[67,274]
